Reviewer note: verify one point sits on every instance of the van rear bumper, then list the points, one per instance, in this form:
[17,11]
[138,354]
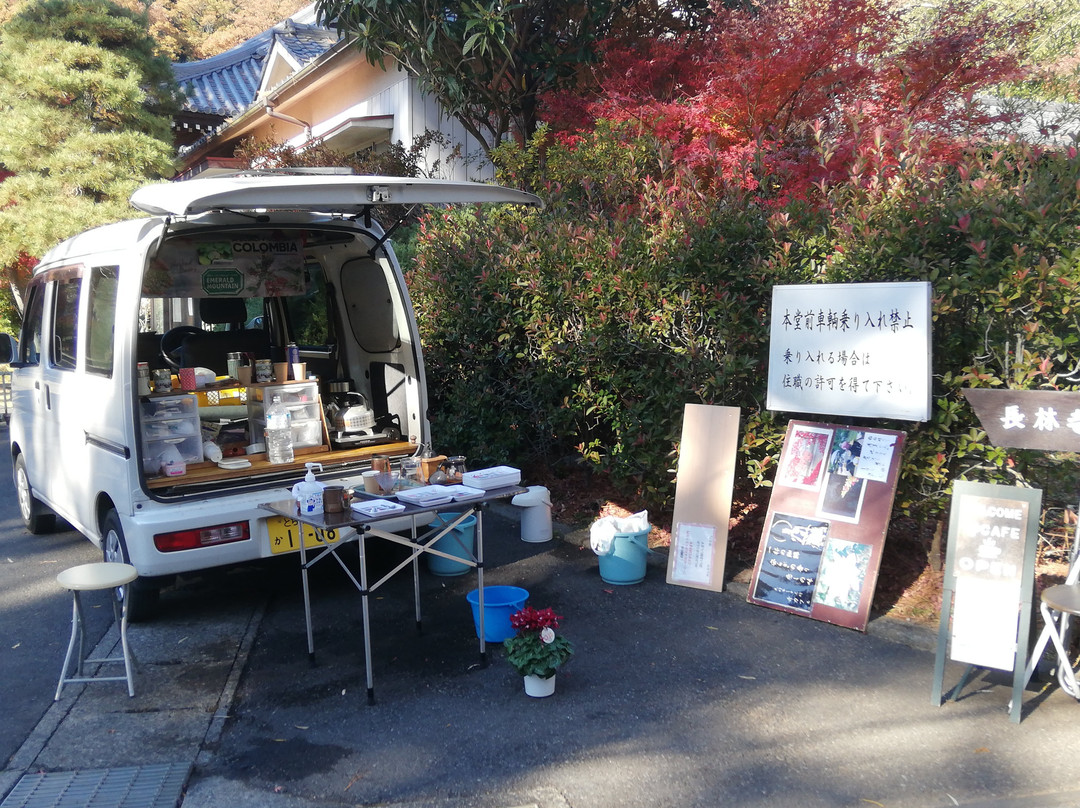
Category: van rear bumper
[154,519]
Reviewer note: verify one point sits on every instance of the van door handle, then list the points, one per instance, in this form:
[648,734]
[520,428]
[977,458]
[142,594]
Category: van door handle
[48,401]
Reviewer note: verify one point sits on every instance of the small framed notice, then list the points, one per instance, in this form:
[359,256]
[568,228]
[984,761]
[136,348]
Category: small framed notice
[694,546]
[703,486]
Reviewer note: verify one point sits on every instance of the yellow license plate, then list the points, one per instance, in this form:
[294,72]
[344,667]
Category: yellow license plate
[285,535]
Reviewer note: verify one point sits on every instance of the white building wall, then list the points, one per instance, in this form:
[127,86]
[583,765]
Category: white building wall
[413,114]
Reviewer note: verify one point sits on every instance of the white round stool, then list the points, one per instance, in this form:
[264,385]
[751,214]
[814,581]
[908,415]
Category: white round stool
[87,577]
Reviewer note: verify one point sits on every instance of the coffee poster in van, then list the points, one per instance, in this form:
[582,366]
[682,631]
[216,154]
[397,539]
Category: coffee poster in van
[216,267]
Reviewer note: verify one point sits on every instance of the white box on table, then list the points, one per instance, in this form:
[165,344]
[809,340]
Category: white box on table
[494,477]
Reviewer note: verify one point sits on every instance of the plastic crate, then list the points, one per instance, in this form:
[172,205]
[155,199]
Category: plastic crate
[222,397]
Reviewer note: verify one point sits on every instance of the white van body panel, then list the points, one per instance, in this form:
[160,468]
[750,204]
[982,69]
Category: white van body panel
[326,194]
[77,420]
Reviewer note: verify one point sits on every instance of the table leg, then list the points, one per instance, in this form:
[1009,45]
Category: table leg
[416,579]
[480,581]
[307,597]
[367,618]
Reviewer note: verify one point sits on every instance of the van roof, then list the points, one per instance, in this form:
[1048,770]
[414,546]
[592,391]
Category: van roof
[323,193]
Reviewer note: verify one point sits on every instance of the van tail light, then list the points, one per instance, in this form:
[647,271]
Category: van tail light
[202,537]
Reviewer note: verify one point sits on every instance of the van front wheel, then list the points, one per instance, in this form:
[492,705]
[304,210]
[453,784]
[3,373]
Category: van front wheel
[36,516]
[142,593]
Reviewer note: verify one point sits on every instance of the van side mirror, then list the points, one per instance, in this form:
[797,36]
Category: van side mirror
[9,349]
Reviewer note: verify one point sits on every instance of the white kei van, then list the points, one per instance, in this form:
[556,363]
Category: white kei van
[242,265]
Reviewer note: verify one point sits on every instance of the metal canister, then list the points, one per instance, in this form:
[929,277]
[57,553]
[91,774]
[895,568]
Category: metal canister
[335,499]
[292,353]
[144,378]
[162,380]
[264,371]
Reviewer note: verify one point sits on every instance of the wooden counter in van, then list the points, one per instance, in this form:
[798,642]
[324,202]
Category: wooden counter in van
[209,472]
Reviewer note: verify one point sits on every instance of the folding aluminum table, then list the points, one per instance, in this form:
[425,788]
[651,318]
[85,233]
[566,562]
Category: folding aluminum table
[335,527]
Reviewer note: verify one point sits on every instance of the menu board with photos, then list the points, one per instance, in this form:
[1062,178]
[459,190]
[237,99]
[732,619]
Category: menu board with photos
[825,528]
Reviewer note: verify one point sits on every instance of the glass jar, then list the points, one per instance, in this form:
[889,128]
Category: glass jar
[410,471]
[455,468]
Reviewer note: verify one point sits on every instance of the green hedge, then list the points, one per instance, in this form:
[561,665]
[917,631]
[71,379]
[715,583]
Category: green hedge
[580,330]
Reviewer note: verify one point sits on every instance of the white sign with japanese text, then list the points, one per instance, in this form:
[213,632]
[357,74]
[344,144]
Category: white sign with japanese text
[859,349]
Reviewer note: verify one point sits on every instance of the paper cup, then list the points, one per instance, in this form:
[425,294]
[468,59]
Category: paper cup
[371,482]
[187,378]
[281,371]
[299,370]
[243,374]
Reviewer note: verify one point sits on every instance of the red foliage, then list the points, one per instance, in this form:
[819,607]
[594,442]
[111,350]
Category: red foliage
[20,270]
[759,89]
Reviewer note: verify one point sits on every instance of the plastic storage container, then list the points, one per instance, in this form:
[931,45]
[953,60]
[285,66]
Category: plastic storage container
[460,542]
[302,401]
[170,421]
[626,562]
[304,433]
[499,603]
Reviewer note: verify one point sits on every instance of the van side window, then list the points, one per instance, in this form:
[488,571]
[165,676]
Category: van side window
[369,304]
[309,315]
[30,343]
[65,322]
[101,316]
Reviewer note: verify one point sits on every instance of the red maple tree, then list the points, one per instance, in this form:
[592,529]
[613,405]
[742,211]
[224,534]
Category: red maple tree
[766,87]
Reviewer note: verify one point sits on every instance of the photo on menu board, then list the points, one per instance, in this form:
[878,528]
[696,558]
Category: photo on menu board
[842,494]
[843,571]
[790,561]
[804,458]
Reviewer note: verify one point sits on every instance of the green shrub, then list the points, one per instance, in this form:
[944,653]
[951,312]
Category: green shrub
[581,330]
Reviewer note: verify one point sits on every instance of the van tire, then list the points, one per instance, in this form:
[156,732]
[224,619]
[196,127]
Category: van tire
[142,594]
[36,515]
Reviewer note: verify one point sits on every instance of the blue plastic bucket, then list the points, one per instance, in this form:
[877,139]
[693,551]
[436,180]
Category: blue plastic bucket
[499,603]
[459,542]
[625,564]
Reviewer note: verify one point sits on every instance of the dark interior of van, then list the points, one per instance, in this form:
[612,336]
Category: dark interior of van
[224,345]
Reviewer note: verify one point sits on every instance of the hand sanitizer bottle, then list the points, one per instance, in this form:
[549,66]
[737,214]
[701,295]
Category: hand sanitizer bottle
[308,493]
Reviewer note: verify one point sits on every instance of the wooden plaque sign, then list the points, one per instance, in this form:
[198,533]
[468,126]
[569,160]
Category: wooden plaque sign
[706,477]
[1028,419]
[825,528]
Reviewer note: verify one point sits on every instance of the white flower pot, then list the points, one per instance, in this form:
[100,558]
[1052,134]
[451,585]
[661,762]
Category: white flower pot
[538,688]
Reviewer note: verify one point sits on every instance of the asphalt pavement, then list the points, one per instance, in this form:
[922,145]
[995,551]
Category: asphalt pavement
[675,697]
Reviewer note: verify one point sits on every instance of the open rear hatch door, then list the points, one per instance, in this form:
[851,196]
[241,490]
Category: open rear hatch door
[347,195]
